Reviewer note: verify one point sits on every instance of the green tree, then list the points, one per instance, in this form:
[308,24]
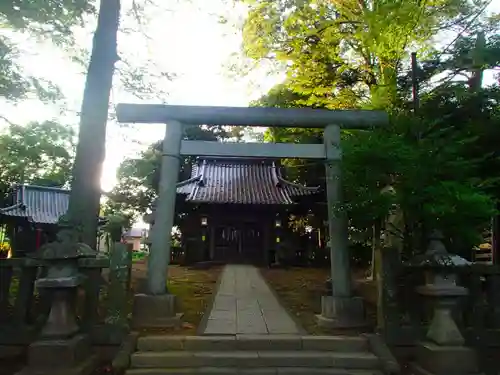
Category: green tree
[43,19]
[138,178]
[346,54]
[439,160]
[84,204]
[37,153]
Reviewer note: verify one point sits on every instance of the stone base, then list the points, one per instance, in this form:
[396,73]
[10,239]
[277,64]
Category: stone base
[59,353]
[86,367]
[341,312]
[155,311]
[65,356]
[444,360]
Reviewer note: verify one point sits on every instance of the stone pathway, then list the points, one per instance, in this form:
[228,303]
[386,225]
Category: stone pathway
[244,304]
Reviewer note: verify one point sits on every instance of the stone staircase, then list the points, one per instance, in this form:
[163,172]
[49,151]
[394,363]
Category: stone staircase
[253,354]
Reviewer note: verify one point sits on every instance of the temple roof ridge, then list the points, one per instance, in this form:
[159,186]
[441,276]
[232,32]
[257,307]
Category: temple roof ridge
[240,180]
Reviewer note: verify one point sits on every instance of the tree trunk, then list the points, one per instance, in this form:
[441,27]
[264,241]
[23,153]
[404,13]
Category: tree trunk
[376,248]
[84,203]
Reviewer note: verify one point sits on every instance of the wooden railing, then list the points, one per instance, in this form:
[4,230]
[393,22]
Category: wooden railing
[102,304]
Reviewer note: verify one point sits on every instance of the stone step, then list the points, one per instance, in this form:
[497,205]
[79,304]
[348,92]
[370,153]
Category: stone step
[252,342]
[250,371]
[253,359]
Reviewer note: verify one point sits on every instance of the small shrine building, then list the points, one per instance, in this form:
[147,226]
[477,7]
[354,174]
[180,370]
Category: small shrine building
[236,210]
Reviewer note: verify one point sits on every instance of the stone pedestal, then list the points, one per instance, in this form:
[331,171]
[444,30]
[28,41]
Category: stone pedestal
[341,312]
[66,356]
[155,311]
[443,352]
[434,359]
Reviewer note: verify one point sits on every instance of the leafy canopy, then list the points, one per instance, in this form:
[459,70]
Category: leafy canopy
[51,19]
[38,153]
[346,54]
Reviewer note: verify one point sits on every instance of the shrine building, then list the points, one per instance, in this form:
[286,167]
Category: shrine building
[236,210]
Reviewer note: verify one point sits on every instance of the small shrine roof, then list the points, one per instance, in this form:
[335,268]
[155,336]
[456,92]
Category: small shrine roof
[240,181]
[38,204]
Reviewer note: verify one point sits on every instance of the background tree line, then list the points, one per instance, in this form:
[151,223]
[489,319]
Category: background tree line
[439,152]
[43,152]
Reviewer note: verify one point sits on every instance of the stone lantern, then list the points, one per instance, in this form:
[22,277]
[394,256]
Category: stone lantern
[61,346]
[442,352]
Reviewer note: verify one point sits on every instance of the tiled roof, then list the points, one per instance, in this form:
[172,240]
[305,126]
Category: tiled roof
[39,204]
[243,181]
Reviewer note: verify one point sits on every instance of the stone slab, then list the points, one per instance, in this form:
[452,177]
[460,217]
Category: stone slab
[268,342]
[220,327]
[445,360]
[160,343]
[200,343]
[85,367]
[54,354]
[250,371]
[335,343]
[253,359]
[244,304]
[256,342]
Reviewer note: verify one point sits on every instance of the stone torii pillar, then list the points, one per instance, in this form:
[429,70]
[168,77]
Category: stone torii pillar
[165,211]
[341,309]
[156,308]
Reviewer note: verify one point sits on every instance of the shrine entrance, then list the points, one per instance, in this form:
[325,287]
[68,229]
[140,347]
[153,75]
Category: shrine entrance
[238,243]
[342,307]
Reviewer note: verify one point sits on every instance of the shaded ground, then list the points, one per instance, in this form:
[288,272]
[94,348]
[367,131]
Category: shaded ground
[12,365]
[300,291]
[193,287]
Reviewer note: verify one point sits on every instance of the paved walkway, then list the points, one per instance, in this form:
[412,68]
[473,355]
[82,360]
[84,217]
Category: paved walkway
[244,304]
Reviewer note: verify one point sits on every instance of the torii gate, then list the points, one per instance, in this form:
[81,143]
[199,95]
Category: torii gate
[340,309]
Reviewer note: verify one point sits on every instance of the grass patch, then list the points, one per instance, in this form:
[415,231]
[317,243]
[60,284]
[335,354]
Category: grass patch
[194,289]
[138,256]
[300,291]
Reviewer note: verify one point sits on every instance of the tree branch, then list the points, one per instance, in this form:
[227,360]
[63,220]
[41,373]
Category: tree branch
[7,120]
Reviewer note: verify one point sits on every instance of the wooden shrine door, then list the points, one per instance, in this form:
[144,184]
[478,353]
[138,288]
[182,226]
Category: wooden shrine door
[239,243]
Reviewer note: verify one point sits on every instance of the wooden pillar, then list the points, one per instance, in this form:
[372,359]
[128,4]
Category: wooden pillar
[278,239]
[211,251]
[266,241]
[159,256]
[204,249]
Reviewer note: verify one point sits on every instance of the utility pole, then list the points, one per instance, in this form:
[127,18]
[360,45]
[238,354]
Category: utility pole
[475,84]
[414,82]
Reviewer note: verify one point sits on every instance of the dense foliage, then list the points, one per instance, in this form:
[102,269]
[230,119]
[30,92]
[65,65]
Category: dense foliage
[52,19]
[438,153]
[38,153]
[347,54]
